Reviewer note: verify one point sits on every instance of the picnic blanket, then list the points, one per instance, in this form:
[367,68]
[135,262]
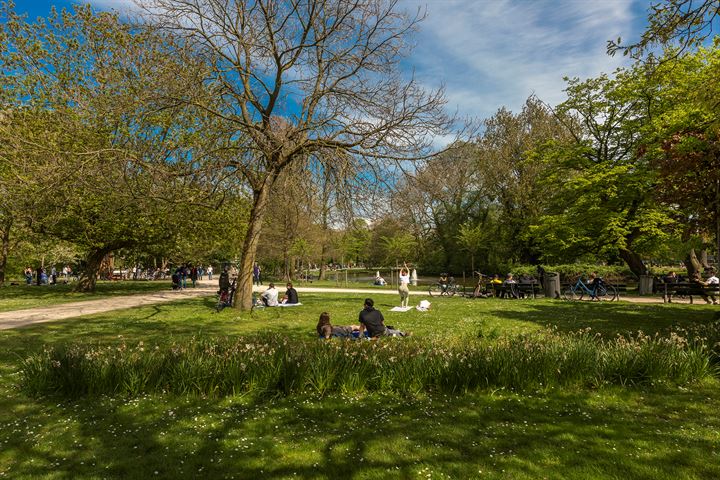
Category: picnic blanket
[289,304]
[400,309]
[354,335]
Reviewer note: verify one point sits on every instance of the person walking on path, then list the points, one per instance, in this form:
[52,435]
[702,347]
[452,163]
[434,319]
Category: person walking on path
[194,276]
[210,272]
[256,274]
[404,281]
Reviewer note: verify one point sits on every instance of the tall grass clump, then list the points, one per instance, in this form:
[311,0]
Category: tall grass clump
[284,366]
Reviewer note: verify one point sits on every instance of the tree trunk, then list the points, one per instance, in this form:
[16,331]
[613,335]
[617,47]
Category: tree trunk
[691,263]
[5,250]
[88,277]
[243,295]
[634,262]
[323,262]
[717,224]
[704,258]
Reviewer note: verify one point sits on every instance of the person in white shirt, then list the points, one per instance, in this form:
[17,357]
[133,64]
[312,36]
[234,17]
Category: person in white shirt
[404,281]
[713,280]
[270,296]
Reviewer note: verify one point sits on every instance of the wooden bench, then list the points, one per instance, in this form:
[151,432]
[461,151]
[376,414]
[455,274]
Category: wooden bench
[515,290]
[686,289]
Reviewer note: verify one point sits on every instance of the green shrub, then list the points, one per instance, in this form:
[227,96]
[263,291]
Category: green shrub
[281,366]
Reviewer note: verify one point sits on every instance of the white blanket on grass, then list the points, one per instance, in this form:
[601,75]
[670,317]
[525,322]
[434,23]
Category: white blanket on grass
[400,309]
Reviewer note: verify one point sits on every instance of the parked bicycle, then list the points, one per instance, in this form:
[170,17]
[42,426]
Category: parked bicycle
[599,290]
[449,289]
[481,287]
[225,297]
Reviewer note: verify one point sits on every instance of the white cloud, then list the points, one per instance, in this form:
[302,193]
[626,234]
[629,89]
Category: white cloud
[119,5]
[494,53]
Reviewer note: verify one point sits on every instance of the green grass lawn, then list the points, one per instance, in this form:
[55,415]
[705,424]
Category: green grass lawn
[661,432]
[17,297]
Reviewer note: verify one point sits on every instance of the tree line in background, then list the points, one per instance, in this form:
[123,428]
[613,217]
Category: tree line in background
[285,133]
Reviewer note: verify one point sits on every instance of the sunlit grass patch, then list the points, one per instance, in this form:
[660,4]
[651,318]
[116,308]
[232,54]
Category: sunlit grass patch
[281,366]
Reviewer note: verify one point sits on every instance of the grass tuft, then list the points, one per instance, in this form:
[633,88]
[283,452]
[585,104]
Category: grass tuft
[281,366]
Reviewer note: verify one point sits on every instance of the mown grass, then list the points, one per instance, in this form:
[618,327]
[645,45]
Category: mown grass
[644,432]
[17,297]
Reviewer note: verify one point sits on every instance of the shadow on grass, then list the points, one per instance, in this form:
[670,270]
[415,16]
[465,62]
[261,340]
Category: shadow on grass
[609,319]
[631,434]
[614,433]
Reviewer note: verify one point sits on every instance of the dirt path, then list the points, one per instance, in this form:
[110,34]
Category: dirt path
[30,316]
[20,318]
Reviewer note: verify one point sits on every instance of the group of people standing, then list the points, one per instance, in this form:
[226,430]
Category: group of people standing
[42,277]
[188,271]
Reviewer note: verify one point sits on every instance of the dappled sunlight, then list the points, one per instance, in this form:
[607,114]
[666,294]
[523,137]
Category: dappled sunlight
[551,434]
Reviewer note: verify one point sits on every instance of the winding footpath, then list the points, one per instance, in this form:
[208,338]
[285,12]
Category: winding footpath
[31,316]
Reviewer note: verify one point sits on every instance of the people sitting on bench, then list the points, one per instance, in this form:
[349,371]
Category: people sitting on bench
[697,287]
[509,290]
[670,279]
[713,281]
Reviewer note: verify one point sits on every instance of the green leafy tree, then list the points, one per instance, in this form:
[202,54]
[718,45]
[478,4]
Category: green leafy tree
[472,239]
[604,204]
[85,144]
[356,240]
[399,248]
[683,24]
[682,142]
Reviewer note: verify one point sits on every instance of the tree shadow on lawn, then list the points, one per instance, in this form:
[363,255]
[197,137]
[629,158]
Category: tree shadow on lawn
[609,319]
[620,433]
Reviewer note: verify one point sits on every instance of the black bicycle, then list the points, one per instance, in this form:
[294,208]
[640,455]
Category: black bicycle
[449,289]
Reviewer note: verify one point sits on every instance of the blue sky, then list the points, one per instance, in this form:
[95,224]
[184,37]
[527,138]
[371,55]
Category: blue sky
[494,53]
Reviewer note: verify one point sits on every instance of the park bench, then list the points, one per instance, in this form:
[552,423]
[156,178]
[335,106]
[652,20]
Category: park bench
[516,290]
[686,289]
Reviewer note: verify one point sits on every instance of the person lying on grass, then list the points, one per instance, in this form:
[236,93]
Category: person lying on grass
[374,322]
[326,330]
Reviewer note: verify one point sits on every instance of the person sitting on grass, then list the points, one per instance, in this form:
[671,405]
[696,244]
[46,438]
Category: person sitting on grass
[270,296]
[291,295]
[326,330]
[374,322]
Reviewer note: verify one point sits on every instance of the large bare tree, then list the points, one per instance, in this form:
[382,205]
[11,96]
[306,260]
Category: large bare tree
[296,77]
